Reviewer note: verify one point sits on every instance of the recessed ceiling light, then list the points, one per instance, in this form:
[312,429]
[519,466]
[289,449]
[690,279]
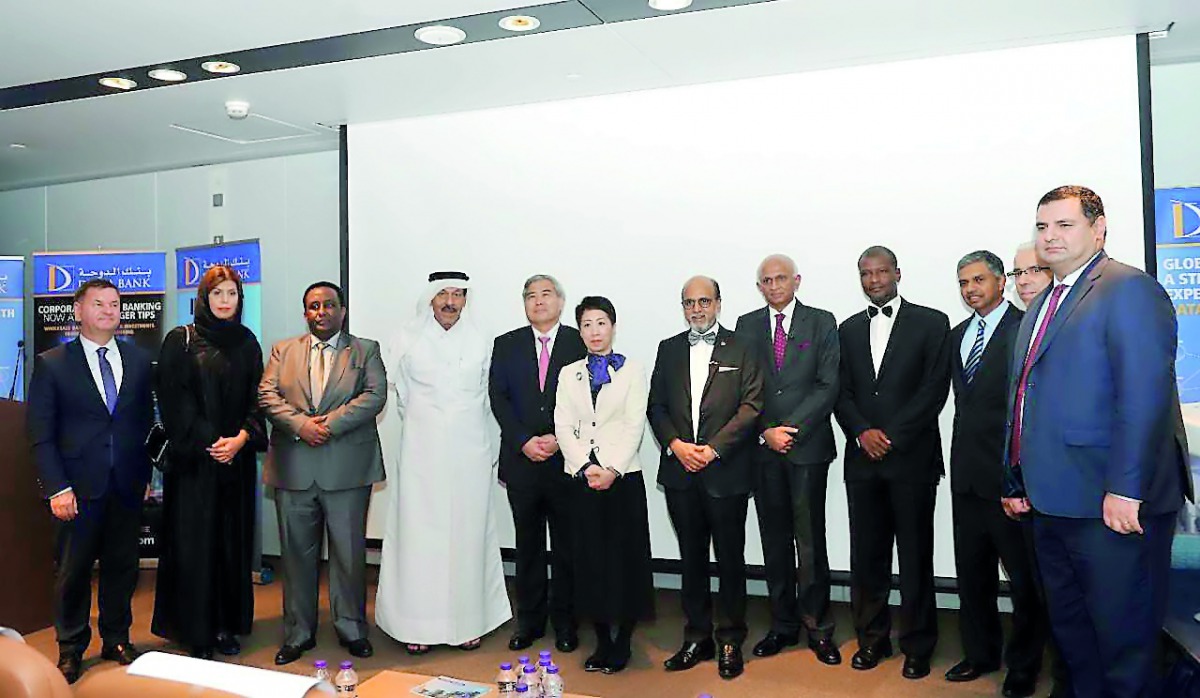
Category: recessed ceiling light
[118,83]
[440,35]
[221,67]
[670,5]
[520,23]
[168,75]
[17,146]
[573,76]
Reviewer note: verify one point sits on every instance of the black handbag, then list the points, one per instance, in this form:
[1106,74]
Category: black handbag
[157,442]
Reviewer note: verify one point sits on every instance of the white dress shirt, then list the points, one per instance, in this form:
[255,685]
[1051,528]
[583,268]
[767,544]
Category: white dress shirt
[990,322]
[881,332]
[330,351]
[537,342]
[700,356]
[1069,280]
[93,361]
[789,313]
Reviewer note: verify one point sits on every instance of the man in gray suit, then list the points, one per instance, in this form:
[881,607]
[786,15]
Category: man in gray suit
[322,392]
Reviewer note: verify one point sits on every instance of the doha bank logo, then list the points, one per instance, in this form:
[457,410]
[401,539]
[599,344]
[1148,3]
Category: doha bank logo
[59,278]
[191,272]
[1185,219]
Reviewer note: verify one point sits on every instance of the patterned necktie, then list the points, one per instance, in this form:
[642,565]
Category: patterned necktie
[695,337]
[543,362]
[108,379]
[780,341]
[318,374]
[975,356]
[1019,406]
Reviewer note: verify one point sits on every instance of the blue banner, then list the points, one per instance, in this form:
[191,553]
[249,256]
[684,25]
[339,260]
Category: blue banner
[1177,232]
[12,327]
[243,256]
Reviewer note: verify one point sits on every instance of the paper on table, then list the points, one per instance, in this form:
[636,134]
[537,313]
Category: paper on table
[245,681]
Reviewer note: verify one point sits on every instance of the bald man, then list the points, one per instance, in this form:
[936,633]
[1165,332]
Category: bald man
[1030,275]
[705,396]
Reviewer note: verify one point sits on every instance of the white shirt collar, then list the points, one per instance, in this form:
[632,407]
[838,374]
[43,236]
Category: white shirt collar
[789,311]
[313,340]
[992,318]
[894,304]
[90,347]
[1073,277]
[552,334]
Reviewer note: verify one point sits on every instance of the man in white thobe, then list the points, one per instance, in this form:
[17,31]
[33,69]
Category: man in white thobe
[441,579]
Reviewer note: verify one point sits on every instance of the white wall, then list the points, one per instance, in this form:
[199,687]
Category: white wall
[627,195]
[291,204]
[1175,93]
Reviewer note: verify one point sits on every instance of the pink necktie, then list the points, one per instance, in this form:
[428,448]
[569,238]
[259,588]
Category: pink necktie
[1019,408]
[780,341]
[543,362]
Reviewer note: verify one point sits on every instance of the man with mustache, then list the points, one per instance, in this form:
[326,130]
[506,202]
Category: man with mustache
[705,396]
[894,380]
[440,579]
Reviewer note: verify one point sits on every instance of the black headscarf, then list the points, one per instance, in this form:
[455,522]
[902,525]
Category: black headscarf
[225,334]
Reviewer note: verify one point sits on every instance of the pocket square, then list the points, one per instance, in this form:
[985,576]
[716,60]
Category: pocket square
[803,345]
[723,369]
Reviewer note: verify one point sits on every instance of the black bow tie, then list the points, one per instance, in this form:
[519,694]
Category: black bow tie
[872,311]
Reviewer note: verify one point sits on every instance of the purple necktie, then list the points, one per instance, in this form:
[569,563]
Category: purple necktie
[1019,408]
[780,341]
[543,362]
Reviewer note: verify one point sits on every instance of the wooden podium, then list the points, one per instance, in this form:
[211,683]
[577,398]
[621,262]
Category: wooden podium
[26,531]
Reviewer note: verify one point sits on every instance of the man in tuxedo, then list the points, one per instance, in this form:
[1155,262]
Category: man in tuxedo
[1096,448]
[1029,274]
[894,380]
[522,384]
[981,348]
[90,410]
[705,397]
[797,350]
[321,392]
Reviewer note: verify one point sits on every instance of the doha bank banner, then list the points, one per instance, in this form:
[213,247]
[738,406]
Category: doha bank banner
[1177,237]
[139,276]
[242,256]
[12,327]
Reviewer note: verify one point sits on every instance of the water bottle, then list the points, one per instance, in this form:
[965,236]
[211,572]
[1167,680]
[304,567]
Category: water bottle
[522,690]
[522,662]
[321,667]
[346,683]
[506,680]
[532,681]
[552,685]
[544,663]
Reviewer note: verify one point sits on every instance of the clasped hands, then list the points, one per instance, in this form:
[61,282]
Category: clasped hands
[875,443]
[694,457]
[539,448]
[226,448]
[599,478]
[315,432]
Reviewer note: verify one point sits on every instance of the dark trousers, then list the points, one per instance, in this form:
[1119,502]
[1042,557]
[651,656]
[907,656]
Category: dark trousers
[984,537]
[537,503]
[790,500]
[882,512]
[700,519]
[107,529]
[1107,595]
[1059,671]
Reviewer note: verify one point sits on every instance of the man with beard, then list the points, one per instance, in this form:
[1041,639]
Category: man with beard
[705,396]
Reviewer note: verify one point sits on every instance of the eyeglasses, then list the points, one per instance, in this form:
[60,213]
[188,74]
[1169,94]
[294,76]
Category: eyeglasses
[1016,273]
[704,303]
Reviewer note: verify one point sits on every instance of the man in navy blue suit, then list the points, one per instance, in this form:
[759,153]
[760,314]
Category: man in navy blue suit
[90,409]
[1096,448]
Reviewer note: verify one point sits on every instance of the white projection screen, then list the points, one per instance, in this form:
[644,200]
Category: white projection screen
[628,195]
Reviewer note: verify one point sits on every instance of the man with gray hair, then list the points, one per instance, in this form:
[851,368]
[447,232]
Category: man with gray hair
[1030,275]
[522,384]
[982,347]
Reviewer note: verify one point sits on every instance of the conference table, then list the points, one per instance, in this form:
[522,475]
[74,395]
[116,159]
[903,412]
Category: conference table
[395,684]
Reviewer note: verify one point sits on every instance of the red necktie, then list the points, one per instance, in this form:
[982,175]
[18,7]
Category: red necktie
[1019,407]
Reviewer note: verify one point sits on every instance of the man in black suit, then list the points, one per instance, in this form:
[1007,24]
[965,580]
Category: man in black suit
[894,381]
[90,409]
[984,536]
[522,385]
[797,350]
[705,396]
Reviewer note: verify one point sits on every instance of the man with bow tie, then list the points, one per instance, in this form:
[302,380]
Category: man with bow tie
[796,347]
[705,396]
[895,377]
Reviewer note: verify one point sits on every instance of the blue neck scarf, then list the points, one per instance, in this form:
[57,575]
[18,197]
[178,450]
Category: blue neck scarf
[598,368]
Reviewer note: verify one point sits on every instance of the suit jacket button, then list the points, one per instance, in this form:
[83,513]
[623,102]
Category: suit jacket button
[779,392]
[593,441]
[541,409]
[876,393]
[593,424]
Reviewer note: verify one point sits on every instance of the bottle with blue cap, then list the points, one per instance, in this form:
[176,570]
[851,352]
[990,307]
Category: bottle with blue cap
[506,680]
[552,684]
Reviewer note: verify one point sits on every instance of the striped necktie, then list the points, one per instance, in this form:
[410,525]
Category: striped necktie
[973,358]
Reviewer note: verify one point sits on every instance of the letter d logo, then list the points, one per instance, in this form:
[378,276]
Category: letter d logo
[191,272]
[59,278]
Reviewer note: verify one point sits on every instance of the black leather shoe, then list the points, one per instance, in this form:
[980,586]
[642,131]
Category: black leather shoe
[617,661]
[567,642]
[966,670]
[916,667]
[1018,685]
[123,653]
[869,657]
[228,645]
[597,661]
[290,653]
[360,648]
[71,666]
[691,654]
[523,639]
[201,652]
[774,643]
[730,663]
[826,651]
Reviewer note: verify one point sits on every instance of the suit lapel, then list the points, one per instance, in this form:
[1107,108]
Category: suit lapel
[301,365]
[129,374]
[956,339]
[78,360]
[893,338]
[1075,296]
[720,355]
[341,358]
[556,361]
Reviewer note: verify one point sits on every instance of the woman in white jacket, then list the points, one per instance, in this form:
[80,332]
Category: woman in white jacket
[599,419]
